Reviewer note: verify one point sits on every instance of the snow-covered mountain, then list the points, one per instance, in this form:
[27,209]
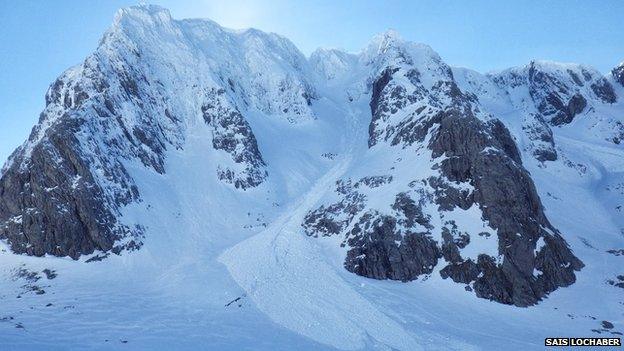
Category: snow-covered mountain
[217,188]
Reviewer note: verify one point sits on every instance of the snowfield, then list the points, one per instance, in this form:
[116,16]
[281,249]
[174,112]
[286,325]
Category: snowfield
[223,268]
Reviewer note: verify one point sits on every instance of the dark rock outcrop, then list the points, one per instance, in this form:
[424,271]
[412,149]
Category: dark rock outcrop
[564,113]
[484,155]
[334,218]
[618,281]
[461,272]
[379,250]
[63,192]
[53,205]
[603,90]
[478,165]
[60,193]
[618,74]
[558,100]
[410,212]
[541,136]
[232,134]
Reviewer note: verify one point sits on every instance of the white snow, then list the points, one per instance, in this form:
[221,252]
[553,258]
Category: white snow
[208,244]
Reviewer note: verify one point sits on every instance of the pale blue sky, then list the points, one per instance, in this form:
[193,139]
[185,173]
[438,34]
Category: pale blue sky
[40,39]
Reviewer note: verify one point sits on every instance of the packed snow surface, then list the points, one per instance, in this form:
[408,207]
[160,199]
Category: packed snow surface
[227,269]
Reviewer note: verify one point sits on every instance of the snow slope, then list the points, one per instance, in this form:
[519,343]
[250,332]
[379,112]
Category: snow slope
[232,269]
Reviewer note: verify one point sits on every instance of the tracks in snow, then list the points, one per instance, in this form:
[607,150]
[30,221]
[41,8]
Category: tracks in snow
[286,275]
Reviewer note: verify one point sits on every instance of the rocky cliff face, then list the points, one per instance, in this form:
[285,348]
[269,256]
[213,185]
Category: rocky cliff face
[473,166]
[231,133]
[559,92]
[485,156]
[127,105]
[442,188]
[618,74]
[61,190]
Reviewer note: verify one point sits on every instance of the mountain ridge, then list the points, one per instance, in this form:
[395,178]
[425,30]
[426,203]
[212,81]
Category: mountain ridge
[181,138]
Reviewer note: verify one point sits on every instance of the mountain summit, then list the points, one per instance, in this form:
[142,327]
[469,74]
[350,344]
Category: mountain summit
[346,197]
